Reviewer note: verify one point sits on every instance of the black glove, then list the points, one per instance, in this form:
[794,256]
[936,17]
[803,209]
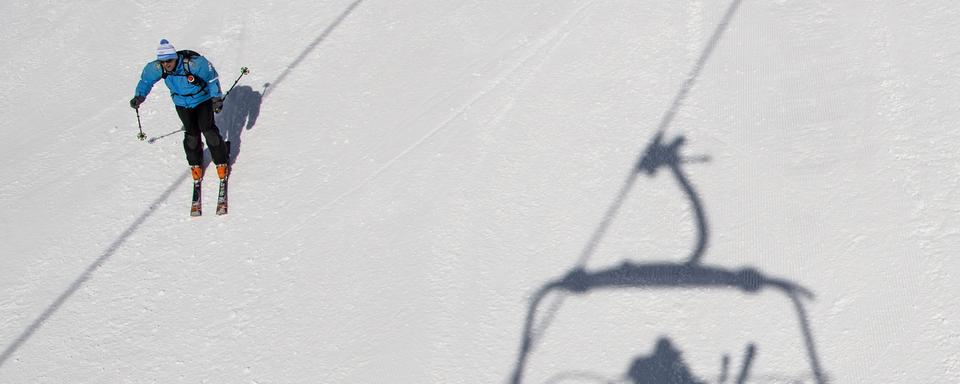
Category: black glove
[217,104]
[136,101]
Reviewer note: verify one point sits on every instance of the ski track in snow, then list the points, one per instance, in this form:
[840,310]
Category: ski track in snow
[544,47]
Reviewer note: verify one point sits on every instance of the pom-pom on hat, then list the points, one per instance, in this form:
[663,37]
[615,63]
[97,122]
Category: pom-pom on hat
[166,51]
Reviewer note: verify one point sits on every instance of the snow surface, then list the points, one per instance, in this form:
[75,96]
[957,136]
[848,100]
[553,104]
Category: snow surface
[442,191]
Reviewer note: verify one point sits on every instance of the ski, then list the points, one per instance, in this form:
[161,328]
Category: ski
[222,197]
[195,206]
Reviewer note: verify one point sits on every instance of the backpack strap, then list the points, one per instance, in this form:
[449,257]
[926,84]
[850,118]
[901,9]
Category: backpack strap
[186,55]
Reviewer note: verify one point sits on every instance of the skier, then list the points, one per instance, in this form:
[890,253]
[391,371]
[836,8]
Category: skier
[195,89]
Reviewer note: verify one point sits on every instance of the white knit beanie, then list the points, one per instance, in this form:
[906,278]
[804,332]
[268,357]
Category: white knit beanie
[166,51]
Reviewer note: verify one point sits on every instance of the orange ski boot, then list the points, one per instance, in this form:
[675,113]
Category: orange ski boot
[196,172]
[223,171]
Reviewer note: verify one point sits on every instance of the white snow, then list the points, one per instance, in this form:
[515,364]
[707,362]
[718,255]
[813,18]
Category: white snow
[411,176]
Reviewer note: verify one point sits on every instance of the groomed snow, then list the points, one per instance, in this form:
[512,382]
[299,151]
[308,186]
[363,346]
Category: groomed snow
[494,191]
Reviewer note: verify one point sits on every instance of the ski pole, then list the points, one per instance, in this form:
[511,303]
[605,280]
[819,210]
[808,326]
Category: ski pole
[140,135]
[243,71]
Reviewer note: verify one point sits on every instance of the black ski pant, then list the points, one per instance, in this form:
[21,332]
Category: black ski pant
[196,121]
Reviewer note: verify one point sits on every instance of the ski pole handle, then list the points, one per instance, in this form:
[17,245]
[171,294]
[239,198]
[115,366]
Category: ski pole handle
[243,71]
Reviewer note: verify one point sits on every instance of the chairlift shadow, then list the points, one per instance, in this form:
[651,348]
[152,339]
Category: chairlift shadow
[690,274]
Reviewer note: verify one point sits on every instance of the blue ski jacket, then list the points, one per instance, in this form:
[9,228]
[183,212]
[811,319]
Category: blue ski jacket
[192,82]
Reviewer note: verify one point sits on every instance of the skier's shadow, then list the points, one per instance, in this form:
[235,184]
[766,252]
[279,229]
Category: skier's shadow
[664,366]
[240,112]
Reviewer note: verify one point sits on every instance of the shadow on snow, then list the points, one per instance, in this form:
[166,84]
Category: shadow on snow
[240,113]
[664,365]
[686,275]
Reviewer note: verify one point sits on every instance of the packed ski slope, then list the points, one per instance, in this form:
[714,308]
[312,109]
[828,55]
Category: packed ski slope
[436,191]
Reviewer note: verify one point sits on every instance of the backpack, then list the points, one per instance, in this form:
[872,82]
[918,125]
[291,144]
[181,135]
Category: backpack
[186,55]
